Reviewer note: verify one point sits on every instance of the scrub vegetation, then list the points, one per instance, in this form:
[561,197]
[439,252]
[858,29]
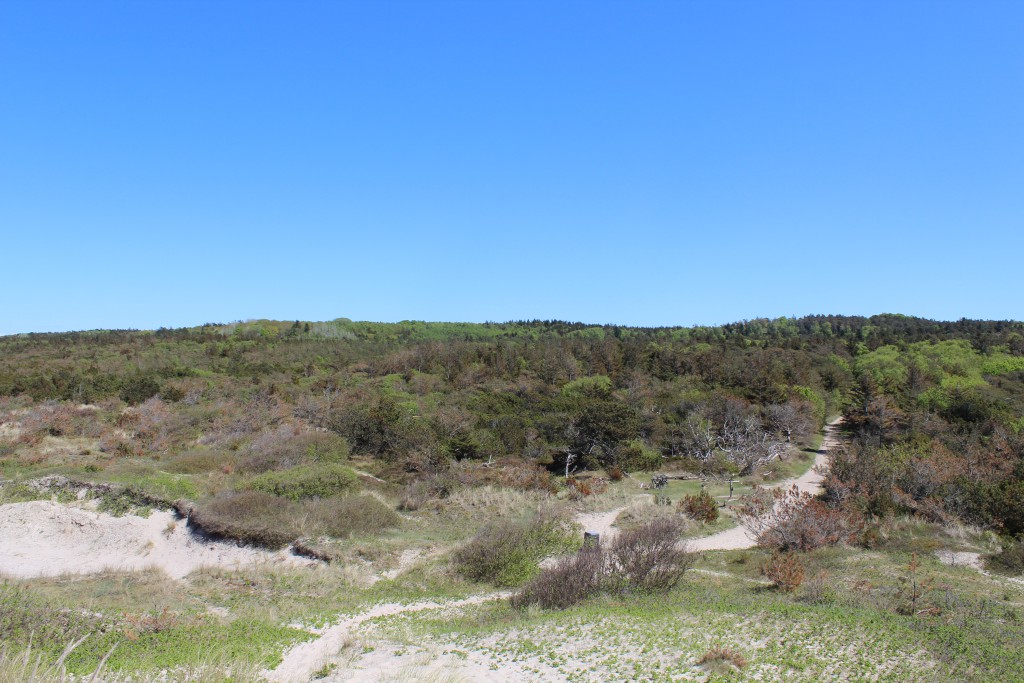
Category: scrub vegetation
[442,476]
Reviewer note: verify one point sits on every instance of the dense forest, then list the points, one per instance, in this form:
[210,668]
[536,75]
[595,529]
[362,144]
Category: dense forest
[935,410]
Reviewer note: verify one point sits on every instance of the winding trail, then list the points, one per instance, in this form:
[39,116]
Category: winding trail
[737,538]
[303,660]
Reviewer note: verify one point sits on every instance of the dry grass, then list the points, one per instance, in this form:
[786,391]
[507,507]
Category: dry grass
[644,511]
[721,660]
[27,667]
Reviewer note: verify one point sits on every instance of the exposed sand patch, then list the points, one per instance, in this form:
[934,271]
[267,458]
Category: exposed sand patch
[305,659]
[961,559]
[45,538]
[600,522]
[973,560]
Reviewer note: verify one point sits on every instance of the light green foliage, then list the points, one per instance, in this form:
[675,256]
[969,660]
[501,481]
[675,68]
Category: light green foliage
[885,366]
[305,481]
[1002,364]
[597,386]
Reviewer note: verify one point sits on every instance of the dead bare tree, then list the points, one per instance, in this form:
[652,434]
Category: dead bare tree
[789,418]
[748,446]
[703,437]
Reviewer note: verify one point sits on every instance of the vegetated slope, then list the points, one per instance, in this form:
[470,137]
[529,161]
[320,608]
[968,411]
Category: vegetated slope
[370,443]
[416,394]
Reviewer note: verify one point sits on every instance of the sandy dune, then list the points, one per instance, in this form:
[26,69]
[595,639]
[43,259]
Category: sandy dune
[44,538]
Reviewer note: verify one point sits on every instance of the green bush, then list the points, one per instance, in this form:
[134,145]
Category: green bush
[137,388]
[305,481]
[636,456]
[198,461]
[701,507]
[507,553]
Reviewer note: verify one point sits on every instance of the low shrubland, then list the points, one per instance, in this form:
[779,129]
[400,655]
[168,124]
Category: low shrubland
[647,558]
[507,553]
[305,481]
[271,521]
[472,428]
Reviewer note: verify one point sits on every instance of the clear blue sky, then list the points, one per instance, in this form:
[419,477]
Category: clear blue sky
[173,163]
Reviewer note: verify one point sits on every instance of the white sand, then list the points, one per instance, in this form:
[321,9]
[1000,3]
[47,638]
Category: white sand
[44,538]
[303,660]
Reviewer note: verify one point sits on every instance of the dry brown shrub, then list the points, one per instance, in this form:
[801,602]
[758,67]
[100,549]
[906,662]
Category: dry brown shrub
[648,558]
[152,622]
[158,427]
[784,570]
[525,476]
[569,582]
[288,446]
[119,446]
[794,520]
[701,507]
[513,473]
[53,418]
[721,659]
[579,488]
[651,557]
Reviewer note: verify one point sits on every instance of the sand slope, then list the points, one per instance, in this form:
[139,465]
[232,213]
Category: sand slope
[44,538]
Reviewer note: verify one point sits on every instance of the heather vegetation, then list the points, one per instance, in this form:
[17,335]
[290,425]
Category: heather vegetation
[446,461]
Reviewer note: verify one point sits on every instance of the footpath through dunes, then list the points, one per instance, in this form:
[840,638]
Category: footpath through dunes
[739,537]
[301,662]
[47,538]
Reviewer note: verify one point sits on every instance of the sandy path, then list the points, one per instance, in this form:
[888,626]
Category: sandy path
[600,522]
[739,537]
[305,659]
[45,538]
[974,561]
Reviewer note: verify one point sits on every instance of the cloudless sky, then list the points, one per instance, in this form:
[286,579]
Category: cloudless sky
[170,163]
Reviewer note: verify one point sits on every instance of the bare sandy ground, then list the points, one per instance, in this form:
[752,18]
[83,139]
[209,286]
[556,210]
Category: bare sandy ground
[974,561]
[303,660]
[44,538]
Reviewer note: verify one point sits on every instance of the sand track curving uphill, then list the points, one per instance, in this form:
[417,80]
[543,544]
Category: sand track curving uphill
[738,537]
[44,538]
